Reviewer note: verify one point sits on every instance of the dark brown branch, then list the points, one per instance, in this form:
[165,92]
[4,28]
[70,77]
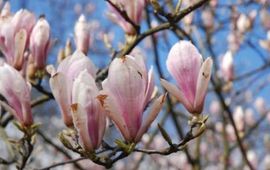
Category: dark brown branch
[62,163]
[58,148]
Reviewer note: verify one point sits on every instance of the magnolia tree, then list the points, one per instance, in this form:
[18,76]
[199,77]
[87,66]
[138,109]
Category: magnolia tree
[128,88]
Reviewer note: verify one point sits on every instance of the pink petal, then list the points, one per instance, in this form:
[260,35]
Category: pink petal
[155,109]
[150,86]
[84,88]
[85,93]
[82,34]
[202,84]
[39,40]
[17,93]
[127,86]
[227,67]
[177,93]
[80,122]
[20,44]
[184,62]
[137,56]
[114,113]
[10,110]
[5,12]
[74,64]
[59,85]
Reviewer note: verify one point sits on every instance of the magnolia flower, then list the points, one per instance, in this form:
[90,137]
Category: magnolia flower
[14,36]
[5,12]
[227,68]
[244,22]
[264,17]
[249,117]
[208,19]
[239,118]
[40,43]
[266,43]
[127,91]
[230,132]
[234,41]
[134,11]
[188,19]
[260,105]
[82,34]
[192,75]
[88,114]
[253,158]
[16,91]
[62,80]
[266,161]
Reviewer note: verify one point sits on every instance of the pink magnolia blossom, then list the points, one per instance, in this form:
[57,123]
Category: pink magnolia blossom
[5,12]
[17,92]
[239,118]
[245,22]
[40,43]
[88,114]
[264,17]
[62,80]
[82,34]
[260,105]
[14,36]
[234,39]
[129,89]
[266,42]
[208,19]
[134,10]
[249,117]
[227,67]
[192,75]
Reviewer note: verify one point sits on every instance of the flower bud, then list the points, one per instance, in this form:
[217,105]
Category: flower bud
[134,10]
[82,34]
[227,67]
[63,78]
[87,111]
[192,75]
[17,93]
[14,37]
[40,43]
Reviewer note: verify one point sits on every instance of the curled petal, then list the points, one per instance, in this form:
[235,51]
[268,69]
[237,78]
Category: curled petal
[150,86]
[202,84]
[177,93]
[155,109]
[113,112]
